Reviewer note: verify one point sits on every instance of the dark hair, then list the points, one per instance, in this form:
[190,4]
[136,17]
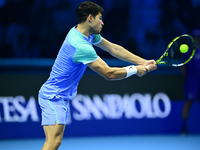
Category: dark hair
[85,9]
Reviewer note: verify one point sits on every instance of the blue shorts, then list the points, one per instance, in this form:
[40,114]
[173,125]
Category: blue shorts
[53,111]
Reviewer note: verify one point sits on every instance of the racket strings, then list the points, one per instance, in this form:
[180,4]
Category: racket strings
[174,54]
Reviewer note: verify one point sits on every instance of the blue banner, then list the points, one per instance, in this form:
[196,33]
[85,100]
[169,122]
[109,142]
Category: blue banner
[109,114]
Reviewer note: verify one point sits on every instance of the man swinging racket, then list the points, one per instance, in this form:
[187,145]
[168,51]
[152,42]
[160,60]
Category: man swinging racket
[75,54]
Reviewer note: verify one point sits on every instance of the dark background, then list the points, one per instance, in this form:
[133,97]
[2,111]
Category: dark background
[37,28]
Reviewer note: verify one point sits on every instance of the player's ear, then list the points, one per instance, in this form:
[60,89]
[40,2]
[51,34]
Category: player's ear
[90,17]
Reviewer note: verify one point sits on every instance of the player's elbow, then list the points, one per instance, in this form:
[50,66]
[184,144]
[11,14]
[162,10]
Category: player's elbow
[109,77]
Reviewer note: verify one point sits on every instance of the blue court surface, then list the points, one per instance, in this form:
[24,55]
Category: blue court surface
[137,142]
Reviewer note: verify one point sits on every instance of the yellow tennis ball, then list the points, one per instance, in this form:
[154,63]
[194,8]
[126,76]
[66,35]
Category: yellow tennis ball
[184,48]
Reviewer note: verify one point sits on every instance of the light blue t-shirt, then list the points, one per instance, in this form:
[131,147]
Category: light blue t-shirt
[71,62]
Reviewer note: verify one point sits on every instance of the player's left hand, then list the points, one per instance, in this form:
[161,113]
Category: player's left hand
[150,65]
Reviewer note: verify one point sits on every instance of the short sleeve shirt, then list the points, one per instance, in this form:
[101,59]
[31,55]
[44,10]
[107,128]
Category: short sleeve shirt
[71,62]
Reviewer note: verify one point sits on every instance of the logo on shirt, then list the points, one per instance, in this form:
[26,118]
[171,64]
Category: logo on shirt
[90,39]
[130,68]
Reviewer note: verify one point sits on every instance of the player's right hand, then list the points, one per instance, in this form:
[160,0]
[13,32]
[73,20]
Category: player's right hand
[141,70]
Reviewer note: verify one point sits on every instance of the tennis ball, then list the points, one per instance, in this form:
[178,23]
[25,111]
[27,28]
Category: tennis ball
[184,48]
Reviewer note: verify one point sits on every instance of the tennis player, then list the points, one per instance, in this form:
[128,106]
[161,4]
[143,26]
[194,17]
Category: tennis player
[75,54]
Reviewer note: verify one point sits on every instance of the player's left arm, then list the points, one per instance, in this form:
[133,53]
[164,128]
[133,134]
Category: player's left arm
[123,54]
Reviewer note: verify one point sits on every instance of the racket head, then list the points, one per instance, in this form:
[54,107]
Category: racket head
[173,56]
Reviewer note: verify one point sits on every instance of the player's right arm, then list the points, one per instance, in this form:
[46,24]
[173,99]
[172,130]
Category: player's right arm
[115,73]
[123,54]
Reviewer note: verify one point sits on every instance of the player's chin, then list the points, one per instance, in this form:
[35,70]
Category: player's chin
[97,32]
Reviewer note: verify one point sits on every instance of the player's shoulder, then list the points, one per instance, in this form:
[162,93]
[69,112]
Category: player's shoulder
[75,37]
[78,40]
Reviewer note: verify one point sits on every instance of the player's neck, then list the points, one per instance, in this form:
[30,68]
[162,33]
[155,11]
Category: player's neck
[84,29]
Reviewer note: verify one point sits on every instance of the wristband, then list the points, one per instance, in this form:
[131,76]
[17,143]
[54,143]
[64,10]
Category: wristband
[131,70]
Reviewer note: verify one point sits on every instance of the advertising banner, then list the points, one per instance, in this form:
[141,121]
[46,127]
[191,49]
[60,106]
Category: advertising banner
[148,105]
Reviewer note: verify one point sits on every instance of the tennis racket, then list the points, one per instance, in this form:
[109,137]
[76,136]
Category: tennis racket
[173,55]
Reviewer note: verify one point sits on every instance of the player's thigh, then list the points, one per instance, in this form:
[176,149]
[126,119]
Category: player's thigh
[54,132]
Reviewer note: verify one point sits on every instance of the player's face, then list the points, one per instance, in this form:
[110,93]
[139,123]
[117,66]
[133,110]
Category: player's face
[97,24]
